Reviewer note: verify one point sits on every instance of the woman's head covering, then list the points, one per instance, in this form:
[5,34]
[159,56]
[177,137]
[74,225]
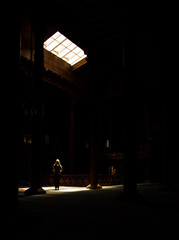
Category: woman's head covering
[57,161]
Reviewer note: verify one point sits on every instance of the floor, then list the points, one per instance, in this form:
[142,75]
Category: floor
[81,213]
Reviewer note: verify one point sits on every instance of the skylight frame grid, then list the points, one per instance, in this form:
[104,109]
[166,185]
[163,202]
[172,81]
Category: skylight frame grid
[53,43]
[78,60]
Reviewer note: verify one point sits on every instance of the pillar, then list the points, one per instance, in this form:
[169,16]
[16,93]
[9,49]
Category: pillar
[37,111]
[130,108]
[94,130]
[72,103]
[147,166]
[10,117]
[168,147]
[170,132]
[130,149]
[94,146]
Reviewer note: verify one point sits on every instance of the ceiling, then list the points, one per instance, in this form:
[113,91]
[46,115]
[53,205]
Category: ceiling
[99,28]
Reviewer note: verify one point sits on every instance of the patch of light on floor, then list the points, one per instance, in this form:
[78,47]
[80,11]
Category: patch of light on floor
[66,189]
[51,189]
[61,189]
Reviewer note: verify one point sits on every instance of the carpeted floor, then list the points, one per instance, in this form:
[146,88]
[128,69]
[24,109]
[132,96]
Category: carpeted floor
[80,213]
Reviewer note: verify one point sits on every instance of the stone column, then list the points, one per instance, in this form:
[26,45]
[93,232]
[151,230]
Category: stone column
[94,146]
[130,149]
[10,115]
[130,108]
[94,128]
[72,103]
[147,166]
[167,153]
[37,110]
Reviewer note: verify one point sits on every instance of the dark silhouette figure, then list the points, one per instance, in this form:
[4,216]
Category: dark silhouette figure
[57,170]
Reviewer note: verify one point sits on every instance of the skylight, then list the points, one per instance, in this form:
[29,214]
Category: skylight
[63,48]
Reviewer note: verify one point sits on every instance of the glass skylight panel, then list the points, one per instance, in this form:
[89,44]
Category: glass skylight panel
[73,59]
[79,59]
[52,45]
[59,48]
[61,38]
[55,35]
[63,53]
[72,46]
[81,53]
[66,43]
[50,40]
[77,50]
[62,47]
[69,55]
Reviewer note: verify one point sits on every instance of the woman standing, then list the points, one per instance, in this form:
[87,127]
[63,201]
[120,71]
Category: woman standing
[57,170]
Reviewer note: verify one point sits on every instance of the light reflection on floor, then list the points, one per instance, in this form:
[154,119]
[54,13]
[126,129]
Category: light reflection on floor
[61,189]
[66,189]
[51,189]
